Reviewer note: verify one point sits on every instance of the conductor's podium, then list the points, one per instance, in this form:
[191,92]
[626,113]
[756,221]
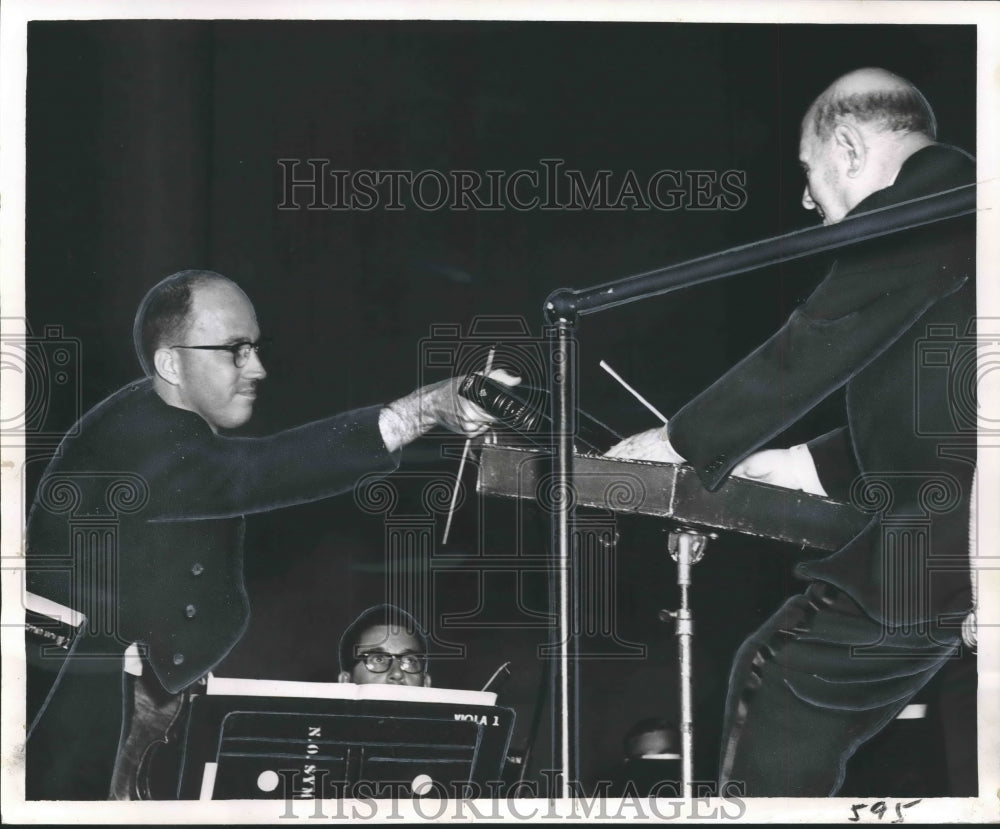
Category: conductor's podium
[273,739]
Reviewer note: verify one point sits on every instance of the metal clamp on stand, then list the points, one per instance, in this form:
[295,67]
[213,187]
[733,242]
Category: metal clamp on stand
[686,547]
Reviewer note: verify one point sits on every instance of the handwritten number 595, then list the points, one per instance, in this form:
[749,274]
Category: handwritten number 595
[880,809]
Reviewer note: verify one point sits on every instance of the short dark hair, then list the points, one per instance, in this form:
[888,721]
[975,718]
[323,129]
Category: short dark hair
[388,615]
[898,110]
[667,730]
[164,311]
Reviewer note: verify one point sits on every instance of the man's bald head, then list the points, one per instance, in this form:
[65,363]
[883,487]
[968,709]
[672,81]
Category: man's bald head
[857,135]
[875,98]
[164,312]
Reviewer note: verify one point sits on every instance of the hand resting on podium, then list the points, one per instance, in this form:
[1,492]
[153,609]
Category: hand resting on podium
[651,445]
[791,468]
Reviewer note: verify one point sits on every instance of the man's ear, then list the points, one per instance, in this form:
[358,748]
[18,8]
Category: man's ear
[427,680]
[343,676]
[165,363]
[849,140]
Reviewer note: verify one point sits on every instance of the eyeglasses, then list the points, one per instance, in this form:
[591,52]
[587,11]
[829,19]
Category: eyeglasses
[241,351]
[378,662]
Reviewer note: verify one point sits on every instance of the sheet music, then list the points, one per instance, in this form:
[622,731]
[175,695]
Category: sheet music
[238,686]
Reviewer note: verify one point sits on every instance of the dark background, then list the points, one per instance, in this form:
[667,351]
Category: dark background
[153,146]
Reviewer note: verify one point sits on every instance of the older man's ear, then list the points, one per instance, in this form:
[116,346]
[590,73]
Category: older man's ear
[851,144]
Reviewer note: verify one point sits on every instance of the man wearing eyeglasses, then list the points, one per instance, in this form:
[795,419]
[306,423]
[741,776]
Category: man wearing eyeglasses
[138,521]
[384,646]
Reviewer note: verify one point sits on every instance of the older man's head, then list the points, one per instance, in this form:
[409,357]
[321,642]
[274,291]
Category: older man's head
[855,137]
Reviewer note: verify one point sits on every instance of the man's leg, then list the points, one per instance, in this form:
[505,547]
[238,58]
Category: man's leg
[814,683]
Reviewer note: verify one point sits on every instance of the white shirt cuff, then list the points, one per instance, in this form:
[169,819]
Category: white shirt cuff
[395,431]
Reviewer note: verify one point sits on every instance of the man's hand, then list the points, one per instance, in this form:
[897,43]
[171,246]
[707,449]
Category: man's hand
[789,468]
[651,445]
[439,404]
[444,406]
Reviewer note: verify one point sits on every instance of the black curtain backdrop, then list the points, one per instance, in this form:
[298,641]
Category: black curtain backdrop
[155,145]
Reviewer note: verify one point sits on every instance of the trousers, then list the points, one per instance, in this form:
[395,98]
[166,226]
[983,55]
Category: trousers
[815,682]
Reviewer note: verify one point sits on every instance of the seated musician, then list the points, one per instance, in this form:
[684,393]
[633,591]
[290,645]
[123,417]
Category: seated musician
[384,645]
[651,758]
[170,578]
[835,665]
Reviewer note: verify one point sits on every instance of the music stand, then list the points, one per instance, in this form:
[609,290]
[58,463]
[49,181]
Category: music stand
[264,739]
[51,632]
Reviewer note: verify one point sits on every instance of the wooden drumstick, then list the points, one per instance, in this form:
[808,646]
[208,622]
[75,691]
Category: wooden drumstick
[461,463]
[634,393]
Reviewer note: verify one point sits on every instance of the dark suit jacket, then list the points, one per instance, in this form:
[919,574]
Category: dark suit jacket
[867,326]
[167,498]
[138,523]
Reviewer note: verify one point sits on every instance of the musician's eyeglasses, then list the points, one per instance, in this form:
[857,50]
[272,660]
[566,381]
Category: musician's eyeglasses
[241,351]
[378,662]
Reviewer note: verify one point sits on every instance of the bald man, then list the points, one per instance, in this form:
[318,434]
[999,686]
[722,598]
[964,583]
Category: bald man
[883,614]
[138,524]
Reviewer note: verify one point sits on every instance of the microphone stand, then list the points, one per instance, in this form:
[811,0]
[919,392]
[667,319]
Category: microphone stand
[561,312]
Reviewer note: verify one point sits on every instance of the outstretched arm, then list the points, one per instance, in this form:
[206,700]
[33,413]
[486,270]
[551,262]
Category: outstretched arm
[204,475]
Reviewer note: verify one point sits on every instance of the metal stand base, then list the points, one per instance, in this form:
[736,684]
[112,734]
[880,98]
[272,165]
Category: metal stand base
[686,547]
